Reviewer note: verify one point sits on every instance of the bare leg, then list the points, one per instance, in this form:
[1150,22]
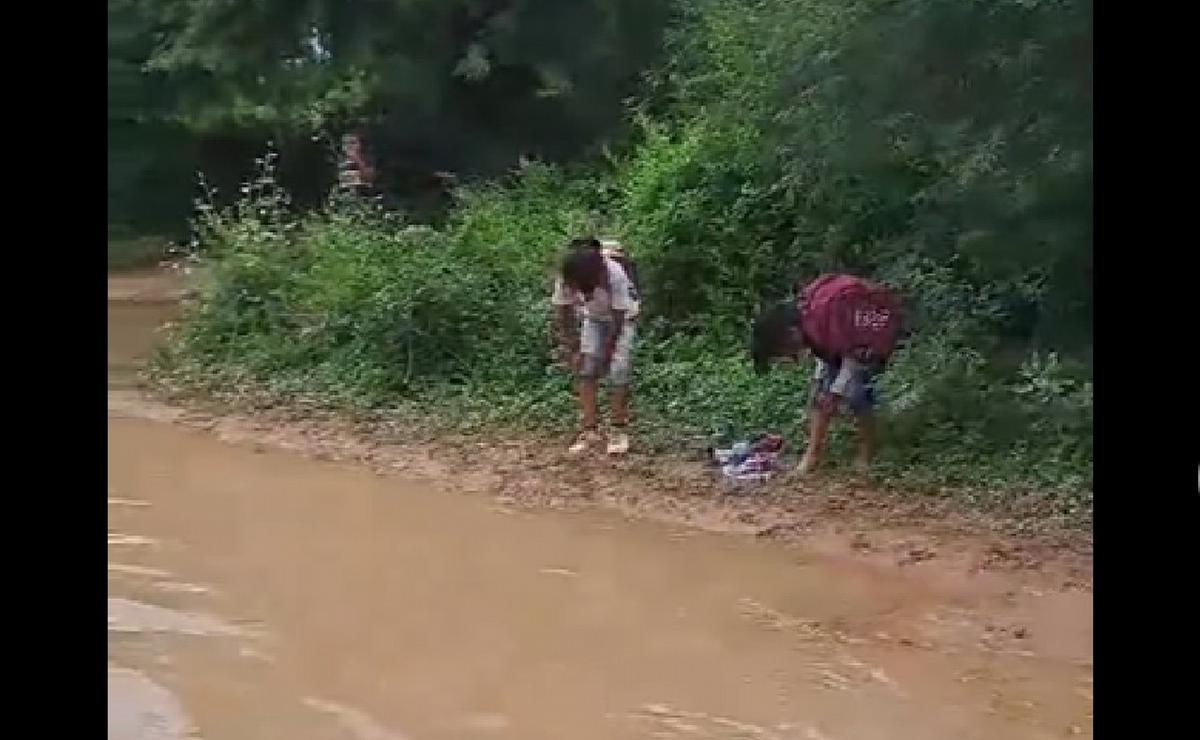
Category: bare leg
[818,431]
[590,340]
[866,440]
[618,441]
[587,403]
[587,412]
[620,405]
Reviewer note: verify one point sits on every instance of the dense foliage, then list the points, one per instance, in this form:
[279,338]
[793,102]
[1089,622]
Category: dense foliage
[460,86]
[941,145]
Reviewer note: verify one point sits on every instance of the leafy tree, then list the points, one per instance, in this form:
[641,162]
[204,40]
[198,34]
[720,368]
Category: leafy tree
[150,159]
[465,85]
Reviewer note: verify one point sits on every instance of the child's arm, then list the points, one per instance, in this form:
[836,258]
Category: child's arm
[568,332]
[610,344]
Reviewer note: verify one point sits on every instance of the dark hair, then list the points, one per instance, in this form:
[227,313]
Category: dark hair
[583,267]
[582,243]
[773,334]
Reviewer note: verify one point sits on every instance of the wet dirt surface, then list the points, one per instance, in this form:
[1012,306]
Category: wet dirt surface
[255,592]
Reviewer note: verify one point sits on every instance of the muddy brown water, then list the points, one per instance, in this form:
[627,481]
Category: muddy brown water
[255,593]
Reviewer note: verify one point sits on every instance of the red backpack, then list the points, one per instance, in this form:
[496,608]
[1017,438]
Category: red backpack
[848,316]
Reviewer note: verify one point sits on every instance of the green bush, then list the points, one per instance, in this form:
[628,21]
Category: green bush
[769,146]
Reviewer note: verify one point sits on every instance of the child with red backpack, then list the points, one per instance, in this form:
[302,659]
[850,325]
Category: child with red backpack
[851,325]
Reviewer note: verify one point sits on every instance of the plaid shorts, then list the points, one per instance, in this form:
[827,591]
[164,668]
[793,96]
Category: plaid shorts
[850,380]
[591,345]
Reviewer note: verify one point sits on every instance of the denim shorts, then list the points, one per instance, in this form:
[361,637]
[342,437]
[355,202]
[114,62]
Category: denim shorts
[850,380]
[593,337]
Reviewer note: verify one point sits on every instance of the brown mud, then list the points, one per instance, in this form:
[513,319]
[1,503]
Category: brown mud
[315,578]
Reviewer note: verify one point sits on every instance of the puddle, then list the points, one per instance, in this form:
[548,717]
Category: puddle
[140,709]
[125,615]
[136,570]
[117,538]
[359,724]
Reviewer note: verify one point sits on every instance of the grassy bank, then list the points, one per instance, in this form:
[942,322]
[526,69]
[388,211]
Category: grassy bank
[770,145]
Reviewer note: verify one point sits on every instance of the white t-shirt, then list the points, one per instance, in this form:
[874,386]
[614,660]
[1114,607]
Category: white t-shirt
[621,295]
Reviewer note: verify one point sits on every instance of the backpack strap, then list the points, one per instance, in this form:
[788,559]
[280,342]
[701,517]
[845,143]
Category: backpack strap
[615,251]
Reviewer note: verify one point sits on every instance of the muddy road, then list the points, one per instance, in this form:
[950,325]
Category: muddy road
[259,593]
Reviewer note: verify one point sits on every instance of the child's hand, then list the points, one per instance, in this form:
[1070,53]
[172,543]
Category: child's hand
[610,349]
[570,357]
